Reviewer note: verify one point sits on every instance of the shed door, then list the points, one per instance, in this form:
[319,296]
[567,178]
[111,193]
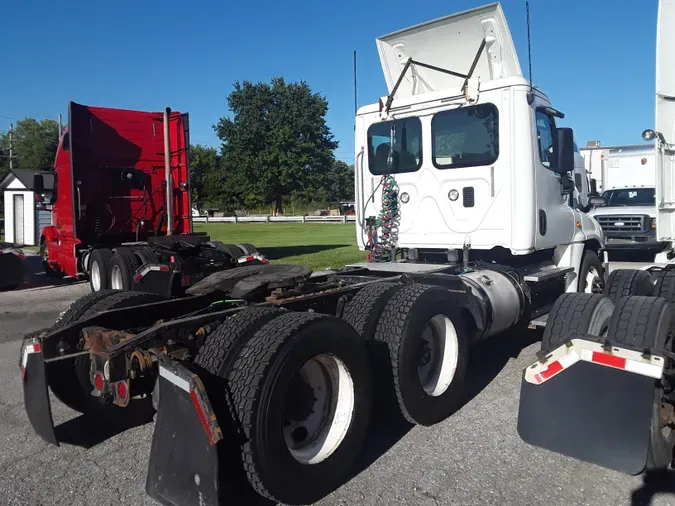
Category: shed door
[18,219]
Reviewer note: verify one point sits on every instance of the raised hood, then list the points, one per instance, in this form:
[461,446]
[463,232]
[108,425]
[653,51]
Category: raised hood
[451,43]
[665,121]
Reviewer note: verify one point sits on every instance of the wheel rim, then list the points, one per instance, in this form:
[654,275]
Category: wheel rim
[116,278]
[319,409]
[592,281]
[45,255]
[95,276]
[438,354]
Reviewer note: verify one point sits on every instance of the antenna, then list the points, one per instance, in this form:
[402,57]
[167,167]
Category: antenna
[355,106]
[530,96]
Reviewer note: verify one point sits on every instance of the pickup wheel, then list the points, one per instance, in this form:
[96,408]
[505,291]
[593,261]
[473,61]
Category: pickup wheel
[648,322]
[123,265]
[69,380]
[591,279]
[625,282]
[99,269]
[301,390]
[428,342]
[576,314]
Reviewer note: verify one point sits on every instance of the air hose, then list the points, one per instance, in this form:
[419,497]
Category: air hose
[383,232]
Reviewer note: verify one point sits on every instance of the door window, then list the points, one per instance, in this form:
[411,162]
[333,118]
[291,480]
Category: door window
[545,138]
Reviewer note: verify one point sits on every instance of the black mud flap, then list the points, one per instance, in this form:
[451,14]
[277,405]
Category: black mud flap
[156,278]
[35,392]
[592,413]
[183,467]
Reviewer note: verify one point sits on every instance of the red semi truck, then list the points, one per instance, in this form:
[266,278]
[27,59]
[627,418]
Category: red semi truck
[121,207]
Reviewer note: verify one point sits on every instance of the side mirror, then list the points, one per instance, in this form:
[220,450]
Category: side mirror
[594,186]
[564,151]
[597,201]
[38,184]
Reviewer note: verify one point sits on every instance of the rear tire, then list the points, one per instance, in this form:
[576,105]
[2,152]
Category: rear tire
[364,310]
[625,282]
[301,388]
[665,285]
[99,269]
[647,322]
[576,314]
[123,265]
[248,249]
[429,369]
[229,249]
[69,380]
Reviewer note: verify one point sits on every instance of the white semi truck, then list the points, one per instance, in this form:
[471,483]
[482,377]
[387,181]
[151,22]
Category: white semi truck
[264,377]
[601,390]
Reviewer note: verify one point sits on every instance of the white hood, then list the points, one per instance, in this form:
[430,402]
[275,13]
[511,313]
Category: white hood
[624,211]
[450,43]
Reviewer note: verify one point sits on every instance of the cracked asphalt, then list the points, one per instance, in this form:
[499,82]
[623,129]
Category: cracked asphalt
[474,457]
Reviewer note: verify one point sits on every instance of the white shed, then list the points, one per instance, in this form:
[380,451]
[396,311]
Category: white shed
[23,219]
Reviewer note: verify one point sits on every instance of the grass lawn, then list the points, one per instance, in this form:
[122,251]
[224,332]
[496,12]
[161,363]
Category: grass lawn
[317,245]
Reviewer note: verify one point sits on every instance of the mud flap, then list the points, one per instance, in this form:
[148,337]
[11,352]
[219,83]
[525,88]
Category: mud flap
[183,467]
[592,413]
[35,392]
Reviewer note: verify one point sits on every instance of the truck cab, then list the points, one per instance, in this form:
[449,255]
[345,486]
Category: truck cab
[478,158]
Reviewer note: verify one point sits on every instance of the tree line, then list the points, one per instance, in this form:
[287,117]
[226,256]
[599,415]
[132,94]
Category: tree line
[276,150]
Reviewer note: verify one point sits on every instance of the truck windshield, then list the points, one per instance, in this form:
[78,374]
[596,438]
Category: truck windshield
[407,152]
[630,197]
[465,137]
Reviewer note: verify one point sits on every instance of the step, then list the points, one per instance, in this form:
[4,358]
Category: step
[547,273]
[539,321]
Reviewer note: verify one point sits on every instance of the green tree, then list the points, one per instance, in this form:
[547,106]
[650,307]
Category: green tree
[34,144]
[276,142]
[205,175]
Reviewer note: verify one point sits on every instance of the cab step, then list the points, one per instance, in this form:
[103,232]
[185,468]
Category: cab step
[546,274]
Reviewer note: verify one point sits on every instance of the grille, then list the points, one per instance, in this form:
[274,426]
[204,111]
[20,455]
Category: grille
[468,196]
[621,224]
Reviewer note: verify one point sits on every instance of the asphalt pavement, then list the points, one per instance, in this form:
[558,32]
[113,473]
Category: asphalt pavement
[475,457]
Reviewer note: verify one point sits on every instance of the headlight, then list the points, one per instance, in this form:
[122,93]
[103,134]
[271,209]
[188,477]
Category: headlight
[653,224]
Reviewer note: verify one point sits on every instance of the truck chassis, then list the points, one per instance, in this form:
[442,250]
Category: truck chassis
[255,362]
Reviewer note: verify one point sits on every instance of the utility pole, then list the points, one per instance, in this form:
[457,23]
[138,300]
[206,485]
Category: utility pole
[11,157]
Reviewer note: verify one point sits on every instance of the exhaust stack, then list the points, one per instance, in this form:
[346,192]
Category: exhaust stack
[167,171]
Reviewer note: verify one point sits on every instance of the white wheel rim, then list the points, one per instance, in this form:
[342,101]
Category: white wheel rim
[591,276]
[116,278]
[95,276]
[322,429]
[439,354]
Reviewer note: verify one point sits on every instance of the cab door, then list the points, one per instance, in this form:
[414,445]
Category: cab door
[555,218]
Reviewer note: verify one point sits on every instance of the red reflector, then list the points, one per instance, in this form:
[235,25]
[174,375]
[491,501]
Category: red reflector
[165,268]
[606,359]
[552,369]
[122,390]
[98,382]
[138,277]
[36,348]
[202,416]
[172,259]
[186,280]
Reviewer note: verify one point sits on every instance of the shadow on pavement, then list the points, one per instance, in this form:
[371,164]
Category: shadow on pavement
[35,276]
[653,484]
[277,252]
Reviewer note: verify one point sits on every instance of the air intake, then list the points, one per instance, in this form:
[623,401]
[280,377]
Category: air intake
[468,197]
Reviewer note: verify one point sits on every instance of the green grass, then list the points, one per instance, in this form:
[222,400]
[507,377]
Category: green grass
[317,245]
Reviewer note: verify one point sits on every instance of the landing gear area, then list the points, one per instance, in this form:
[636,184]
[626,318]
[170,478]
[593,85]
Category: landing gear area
[601,390]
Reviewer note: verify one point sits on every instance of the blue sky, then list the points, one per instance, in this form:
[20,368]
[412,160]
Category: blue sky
[595,59]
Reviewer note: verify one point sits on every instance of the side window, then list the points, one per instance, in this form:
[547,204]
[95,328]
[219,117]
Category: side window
[407,152]
[66,141]
[545,135]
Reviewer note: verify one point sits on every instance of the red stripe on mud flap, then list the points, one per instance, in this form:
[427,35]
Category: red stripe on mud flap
[550,371]
[202,416]
[610,360]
